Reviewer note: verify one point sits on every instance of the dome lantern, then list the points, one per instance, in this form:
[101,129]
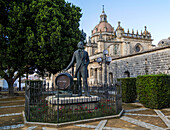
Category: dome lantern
[103,16]
[103,25]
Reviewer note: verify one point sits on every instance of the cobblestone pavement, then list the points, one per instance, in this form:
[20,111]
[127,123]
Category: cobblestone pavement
[135,117]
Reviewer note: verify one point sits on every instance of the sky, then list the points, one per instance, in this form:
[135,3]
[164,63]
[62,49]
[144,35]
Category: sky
[133,14]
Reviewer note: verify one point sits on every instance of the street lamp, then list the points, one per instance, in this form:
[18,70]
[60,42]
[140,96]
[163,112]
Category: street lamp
[99,60]
[106,60]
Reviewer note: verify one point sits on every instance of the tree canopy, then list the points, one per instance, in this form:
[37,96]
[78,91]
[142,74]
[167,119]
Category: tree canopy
[41,33]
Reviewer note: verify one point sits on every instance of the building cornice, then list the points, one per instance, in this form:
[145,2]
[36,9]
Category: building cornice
[144,52]
[103,33]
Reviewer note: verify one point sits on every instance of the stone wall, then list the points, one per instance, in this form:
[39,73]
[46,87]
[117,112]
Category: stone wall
[154,61]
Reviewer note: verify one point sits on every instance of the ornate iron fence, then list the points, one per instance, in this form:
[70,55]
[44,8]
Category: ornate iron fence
[49,105]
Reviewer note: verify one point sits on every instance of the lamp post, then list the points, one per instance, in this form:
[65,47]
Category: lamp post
[106,60]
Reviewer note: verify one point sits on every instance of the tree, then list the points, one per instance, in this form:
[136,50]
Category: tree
[57,32]
[36,33]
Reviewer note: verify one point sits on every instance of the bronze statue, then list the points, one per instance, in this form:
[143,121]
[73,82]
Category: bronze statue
[81,58]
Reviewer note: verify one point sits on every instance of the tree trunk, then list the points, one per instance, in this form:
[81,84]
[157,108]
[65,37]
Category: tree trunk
[10,88]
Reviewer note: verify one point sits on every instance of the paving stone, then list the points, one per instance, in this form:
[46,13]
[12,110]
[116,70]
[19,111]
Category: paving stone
[111,128]
[11,101]
[137,109]
[163,117]
[142,124]
[86,126]
[12,106]
[11,127]
[104,128]
[12,114]
[133,114]
[31,128]
[101,125]
[45,128]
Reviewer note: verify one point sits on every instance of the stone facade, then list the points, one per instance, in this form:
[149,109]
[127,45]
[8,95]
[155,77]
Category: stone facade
[154,61]
[164,42]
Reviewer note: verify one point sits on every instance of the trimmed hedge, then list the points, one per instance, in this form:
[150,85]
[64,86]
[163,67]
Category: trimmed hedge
[154,90]
[129,93]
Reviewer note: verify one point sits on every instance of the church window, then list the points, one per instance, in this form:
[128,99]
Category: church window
[105,29]
[137,49]
[91,72]
[115,49]
[95,73]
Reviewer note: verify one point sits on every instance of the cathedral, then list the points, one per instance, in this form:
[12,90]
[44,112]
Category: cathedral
[131,53]
[117,41]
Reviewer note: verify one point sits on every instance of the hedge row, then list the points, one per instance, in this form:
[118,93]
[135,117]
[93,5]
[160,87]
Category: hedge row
[128,89]
[153,90]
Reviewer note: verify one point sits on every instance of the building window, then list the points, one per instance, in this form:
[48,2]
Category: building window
[91,72]
[95,73]
[96,29]
[138,47]
[127,73]
[105,29]
[115,49]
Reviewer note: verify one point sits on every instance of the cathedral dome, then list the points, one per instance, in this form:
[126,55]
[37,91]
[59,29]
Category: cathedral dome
[102,27]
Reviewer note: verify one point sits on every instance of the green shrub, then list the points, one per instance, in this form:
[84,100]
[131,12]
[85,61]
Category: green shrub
[129,93]
[154,90]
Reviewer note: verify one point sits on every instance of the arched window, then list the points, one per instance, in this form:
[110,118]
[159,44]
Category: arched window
[138,47]
[96,29]
[105,29]
[91,72]
[127,73]
[95,73]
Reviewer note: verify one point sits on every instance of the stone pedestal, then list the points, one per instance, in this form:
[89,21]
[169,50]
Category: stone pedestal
[74,103]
